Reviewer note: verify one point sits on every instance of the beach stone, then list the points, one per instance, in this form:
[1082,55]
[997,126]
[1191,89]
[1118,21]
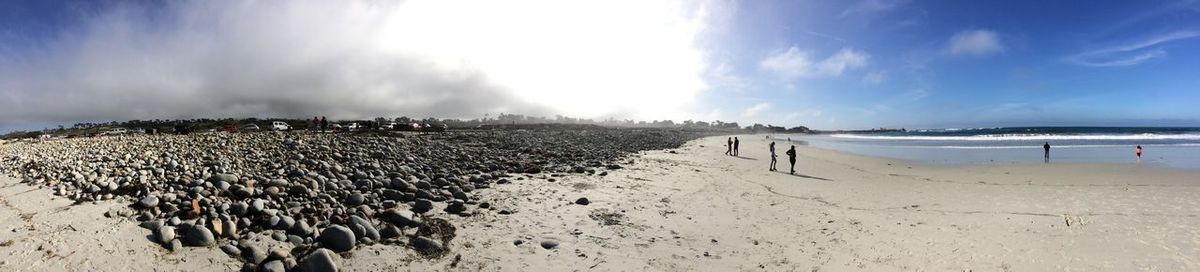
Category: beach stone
[258,205]
[175,246]
[165,234]
[301,228]
[549,244]
[273,266]
[198,235]
[390,231]
[238,208]
[368,231]
[401,218]
[355,199]
[583,201]
[422,205]
[320,260]
[149,201]
[233,251]
[338,238]
[254,254]
[426,244]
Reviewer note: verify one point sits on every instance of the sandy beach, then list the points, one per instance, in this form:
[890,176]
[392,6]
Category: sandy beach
[694,209]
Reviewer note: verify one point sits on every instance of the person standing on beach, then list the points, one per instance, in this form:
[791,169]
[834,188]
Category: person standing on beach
[729,146]
[324,124]
[735,146]
[1138,151]
[792,158]
[1047,148]
[772,156]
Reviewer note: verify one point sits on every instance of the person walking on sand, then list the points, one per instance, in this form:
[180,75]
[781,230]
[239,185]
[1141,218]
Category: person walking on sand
[735,146]
[1138,152]
[772,156]
[1047,148]
[729,146]
[792,158]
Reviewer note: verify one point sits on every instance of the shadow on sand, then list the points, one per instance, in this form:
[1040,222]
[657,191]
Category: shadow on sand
[804,176]
[745,158]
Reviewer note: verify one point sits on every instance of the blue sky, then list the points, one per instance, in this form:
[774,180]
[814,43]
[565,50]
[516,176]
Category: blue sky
[822,64]
[969,63]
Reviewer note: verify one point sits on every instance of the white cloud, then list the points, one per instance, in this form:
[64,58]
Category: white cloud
[358,59]
[1130,53]
[979,42]
[794,63]
[753,111]
[874,77]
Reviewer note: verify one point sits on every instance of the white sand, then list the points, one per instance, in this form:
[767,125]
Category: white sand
[700,210]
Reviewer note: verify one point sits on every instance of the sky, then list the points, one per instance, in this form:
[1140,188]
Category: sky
[821,64]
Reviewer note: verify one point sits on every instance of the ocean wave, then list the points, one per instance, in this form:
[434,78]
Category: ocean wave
[1025,137]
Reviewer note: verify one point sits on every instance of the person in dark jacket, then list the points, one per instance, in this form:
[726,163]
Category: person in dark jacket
[792,158]
[1047,148]
[324,124]
[735,146]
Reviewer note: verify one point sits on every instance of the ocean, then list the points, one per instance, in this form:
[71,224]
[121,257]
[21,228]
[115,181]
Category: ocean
[1173,147]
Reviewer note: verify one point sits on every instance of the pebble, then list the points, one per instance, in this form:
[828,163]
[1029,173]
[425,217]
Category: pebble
[198,235]
[549,244]
[254,254]
[231,250]
[320,260]
[425,244]
[149,201]
[338,238]
[166,234]
[273,266]
[582,201]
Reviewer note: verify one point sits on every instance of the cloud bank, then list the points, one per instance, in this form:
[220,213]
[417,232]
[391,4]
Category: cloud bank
[360,59]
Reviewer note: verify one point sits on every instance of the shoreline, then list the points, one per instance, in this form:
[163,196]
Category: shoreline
[691,208]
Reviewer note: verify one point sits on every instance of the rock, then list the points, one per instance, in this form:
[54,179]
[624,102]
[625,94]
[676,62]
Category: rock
[149,201]
[369,230]
[253,254]
[549,244]
[198,235]
[355,199]
[285,223]
[582,201]
[175,246]
[426,245]
[401,218]
[233,251]
[279,254]
[390,231]
[258,205]
[338,238]
[273,266]
[165,234]
[422,206]
[301,228]
[238,208]
[320,260]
